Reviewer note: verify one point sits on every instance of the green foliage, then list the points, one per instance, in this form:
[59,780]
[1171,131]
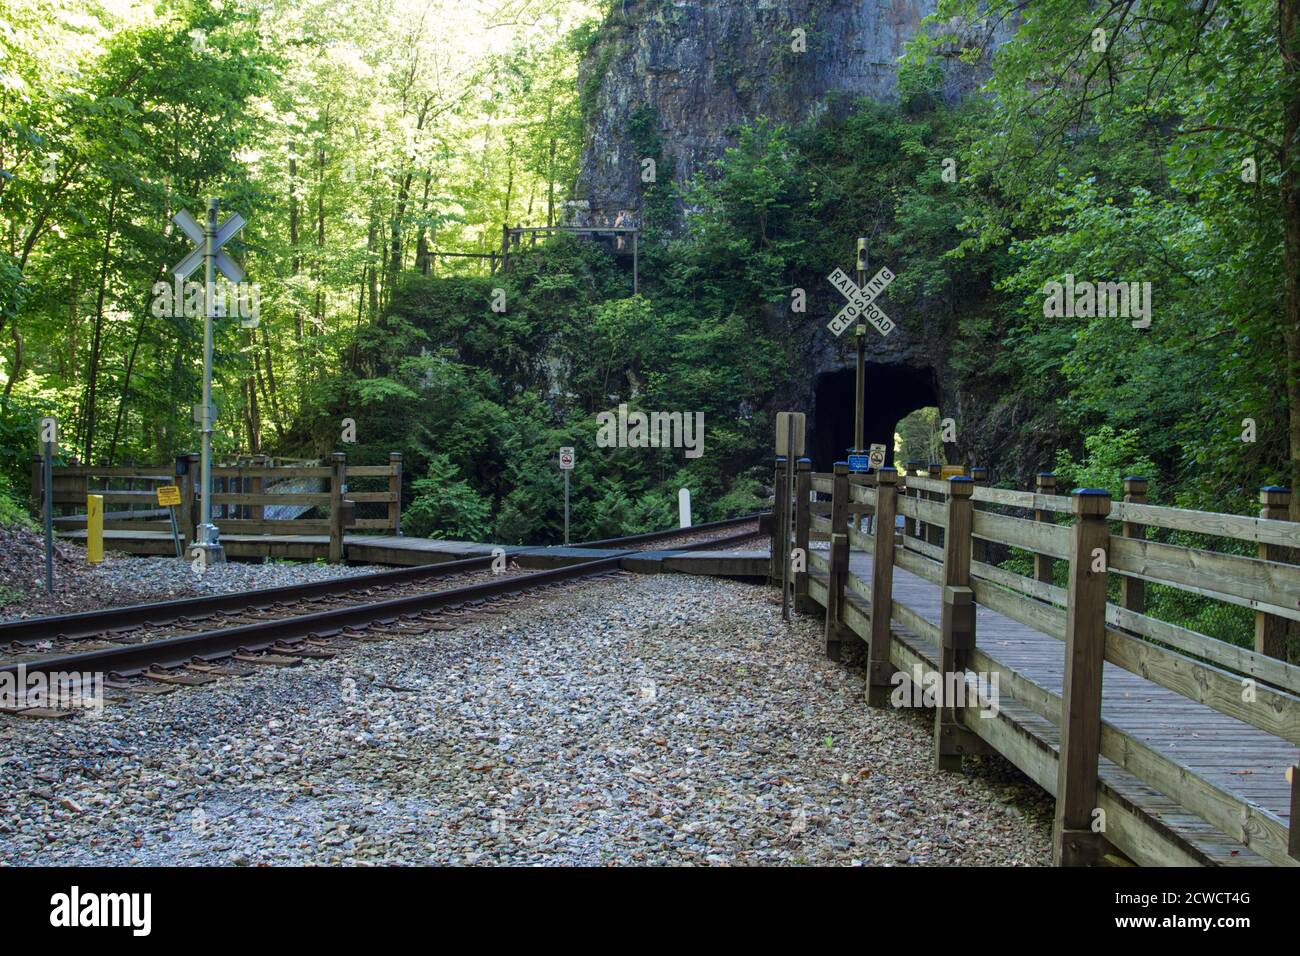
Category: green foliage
[348,135]
[445,506]
[1110,457]
[13,509]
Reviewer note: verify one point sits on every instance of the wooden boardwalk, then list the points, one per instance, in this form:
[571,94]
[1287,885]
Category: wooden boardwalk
[1159,743]
[404,551]
[1210,745]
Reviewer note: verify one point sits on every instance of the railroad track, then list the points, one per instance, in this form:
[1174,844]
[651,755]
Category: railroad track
[119,642]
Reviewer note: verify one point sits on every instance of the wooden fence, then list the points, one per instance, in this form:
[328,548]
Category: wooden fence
[948,529]
[242,493]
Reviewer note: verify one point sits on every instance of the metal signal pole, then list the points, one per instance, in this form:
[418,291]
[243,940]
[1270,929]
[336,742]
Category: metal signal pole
[208,239]
[860,385]
[209,540]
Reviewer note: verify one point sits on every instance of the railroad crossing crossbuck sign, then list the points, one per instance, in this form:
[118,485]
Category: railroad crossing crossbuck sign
[227,266]
[861,301]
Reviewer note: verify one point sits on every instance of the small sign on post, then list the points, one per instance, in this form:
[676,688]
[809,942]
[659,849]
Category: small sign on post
[789,434]
[567,459]
[859,463]
[877,456]
[169,496]
[861,302]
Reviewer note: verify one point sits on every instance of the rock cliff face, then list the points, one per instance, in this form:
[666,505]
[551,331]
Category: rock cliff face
[677,77]
[705,66]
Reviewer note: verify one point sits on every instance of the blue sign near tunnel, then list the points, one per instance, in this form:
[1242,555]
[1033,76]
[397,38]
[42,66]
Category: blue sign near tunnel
[859,462]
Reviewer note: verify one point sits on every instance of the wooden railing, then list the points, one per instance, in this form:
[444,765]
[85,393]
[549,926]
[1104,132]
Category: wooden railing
[241,494]
[948,530]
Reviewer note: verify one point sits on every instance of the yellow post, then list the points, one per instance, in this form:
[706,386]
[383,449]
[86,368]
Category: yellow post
[94,528]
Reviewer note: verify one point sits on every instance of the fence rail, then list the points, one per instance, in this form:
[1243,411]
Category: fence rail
[242,493]
[950,528]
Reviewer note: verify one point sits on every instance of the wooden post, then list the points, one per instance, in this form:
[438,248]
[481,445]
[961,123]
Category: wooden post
[879,669]
[258,484]
[395,489]
[1074,841]
[802,515]
[863,520]
[956,629]
[189,502]
[1271,631]
[1132,594]
[839,559]
[338,487]
[780,535]
[979,548]
[1044,565]
[38,486]
[933,531]
[1293,831]
[911,526]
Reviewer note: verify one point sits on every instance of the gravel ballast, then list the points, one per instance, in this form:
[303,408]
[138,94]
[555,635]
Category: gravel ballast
[661,719]
[123,579]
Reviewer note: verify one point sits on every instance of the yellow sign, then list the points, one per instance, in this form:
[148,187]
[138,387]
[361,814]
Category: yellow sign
[168,495]
[952,471]
[94,528]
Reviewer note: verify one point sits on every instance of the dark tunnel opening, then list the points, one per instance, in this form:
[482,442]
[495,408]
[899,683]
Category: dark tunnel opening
[893,391]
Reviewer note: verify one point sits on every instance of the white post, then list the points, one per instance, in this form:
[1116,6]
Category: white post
[684,508]
[566,507]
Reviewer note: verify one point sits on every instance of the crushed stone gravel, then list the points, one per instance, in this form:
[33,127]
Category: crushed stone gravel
[125,579]
[660,719]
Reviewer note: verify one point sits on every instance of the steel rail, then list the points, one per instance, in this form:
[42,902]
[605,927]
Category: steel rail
[86,624]
[132,659]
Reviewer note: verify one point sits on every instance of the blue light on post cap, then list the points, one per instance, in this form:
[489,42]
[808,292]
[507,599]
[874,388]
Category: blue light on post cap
[807,459]
[1134,478]
[960,478]
[1276,488]
[1092,491]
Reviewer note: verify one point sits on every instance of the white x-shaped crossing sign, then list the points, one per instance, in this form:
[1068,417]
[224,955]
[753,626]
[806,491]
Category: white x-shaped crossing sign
[861,301]
[227,266]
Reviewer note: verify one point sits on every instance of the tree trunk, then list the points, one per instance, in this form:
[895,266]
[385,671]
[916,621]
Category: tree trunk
[372,240]
[320,234]
[295,267]
[92,375]
[273,395]
[550,185]
[1289,157]
[17,369]
[126,384]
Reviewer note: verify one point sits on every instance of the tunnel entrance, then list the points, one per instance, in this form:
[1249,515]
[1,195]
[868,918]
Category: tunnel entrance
[892,392]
